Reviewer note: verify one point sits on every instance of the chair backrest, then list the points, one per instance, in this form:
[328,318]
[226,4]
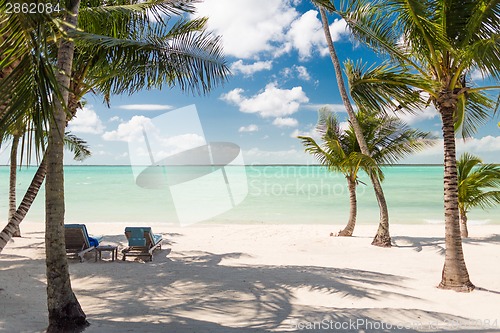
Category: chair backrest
[137,237]
[76,236]
[142,236]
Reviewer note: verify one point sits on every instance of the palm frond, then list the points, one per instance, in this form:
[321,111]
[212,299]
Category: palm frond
[77,146]
[116,13]
[385,86]
[483,54]
[474,110]
[182,56]
[327,4]
[28,87]
[477,183]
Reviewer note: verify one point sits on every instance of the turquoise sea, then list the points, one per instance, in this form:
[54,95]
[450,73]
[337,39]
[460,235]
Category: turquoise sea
[267,194]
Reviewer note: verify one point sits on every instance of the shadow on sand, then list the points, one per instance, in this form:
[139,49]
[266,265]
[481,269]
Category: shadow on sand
[204,292]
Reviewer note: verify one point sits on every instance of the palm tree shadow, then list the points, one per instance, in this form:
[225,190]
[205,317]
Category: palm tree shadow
[438,243]
[419,243]
[185,289]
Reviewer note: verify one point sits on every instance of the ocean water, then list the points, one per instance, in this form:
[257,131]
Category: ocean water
[244,195]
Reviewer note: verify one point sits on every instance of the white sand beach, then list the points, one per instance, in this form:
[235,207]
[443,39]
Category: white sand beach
[263,278]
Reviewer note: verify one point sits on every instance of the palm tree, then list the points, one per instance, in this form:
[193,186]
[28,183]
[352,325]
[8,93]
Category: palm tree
[339,152]
[13,180]
[72,143]
[382,238]
[432,46]
[477,186]
[389,139]
[188,57]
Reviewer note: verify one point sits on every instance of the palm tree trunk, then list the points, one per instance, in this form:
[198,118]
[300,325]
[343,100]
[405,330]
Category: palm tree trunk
[382,238]
[455,275]
[65,312]
[349,229]
[13,181]
[464,232]
[24,206]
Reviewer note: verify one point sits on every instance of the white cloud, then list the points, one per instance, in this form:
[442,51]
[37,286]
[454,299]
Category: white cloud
[249,128]
[285,122]
[486,148]
[331,107]
[145,107]
[310,132]
[115,119]
[478,75]
[249,69]
[252,27]
[86,121]
[132,130]
[429,112]
[307,36]
[303,73]
[135,130]
[344,125]
[176,144]
[477,146]
[248,27]
[291,156]
[272,102]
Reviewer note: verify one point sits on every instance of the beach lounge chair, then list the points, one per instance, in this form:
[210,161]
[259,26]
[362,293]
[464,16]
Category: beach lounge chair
[141,242]
[78,241]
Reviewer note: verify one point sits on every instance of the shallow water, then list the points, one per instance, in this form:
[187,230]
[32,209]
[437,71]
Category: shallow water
[237,194]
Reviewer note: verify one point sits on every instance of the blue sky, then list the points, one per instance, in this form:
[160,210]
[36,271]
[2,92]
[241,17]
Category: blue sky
[282,75]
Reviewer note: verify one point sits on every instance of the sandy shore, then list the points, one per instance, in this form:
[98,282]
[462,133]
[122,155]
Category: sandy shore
[256,278]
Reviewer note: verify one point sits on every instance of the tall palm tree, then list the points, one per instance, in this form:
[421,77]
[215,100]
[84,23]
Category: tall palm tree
[199,66]
[478,185]
[389,139]
[65,312]
[382,238]
[432,47]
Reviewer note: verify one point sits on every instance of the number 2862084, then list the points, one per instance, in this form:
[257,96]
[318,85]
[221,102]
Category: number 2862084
[31,8]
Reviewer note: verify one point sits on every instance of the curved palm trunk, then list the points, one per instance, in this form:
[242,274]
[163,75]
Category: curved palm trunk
[353,208]
[382,238]
[24,206]
[65,312]
[12,183]
[464,232]
[455,275]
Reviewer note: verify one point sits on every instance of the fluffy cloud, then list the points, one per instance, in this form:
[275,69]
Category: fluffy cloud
[115,119]
[249,69]
[145,107]
[252,27]
[303,73]
[486,148]
[249,128]
[311,132]
[162,145]
[132,130]
[86,121]
[272,102]
[248,27]
[285,122]
[306,34]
